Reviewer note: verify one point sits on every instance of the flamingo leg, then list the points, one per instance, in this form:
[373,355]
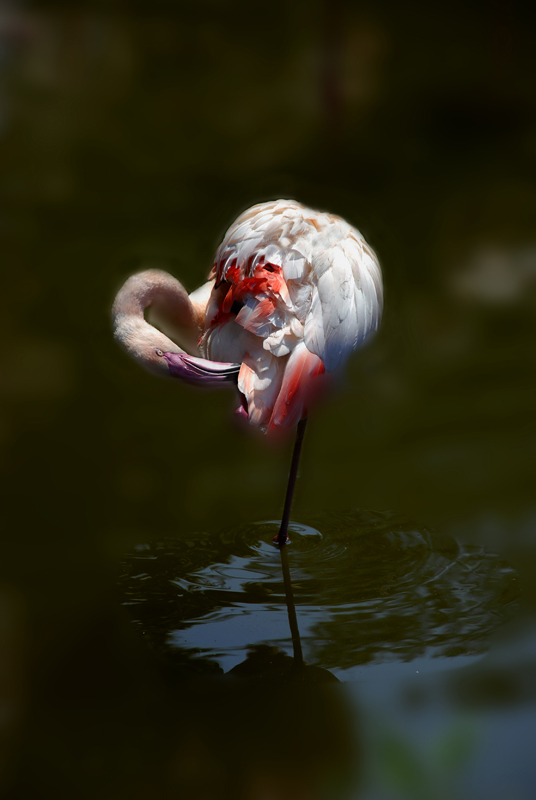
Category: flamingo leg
[282,537]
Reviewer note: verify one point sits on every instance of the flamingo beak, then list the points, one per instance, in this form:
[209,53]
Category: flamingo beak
[200,371]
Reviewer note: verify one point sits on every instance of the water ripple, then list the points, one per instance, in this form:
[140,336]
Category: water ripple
[368,587]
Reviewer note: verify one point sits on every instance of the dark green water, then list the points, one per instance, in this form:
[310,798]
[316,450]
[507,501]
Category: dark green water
[143,626]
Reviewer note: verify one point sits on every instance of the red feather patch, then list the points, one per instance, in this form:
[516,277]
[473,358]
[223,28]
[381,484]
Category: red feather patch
[300,386]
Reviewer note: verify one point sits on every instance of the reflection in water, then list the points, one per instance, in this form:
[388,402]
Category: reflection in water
[289,731]
[291,608]
[370,588]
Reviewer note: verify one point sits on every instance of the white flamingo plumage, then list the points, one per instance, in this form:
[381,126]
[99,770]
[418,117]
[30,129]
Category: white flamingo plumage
[292,294]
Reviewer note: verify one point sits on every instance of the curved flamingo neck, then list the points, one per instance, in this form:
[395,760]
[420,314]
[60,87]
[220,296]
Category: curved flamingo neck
[159,290]
[163,293]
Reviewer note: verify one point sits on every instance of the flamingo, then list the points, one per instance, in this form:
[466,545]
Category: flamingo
[293,292]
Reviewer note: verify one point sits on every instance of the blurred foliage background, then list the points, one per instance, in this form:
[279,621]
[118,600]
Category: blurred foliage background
[133,133]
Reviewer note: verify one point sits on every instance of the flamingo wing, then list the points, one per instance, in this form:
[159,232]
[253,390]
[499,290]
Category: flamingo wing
[346,302]
[304,289]
[298,388]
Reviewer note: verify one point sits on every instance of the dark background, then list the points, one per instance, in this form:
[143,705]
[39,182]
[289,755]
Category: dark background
[132,134]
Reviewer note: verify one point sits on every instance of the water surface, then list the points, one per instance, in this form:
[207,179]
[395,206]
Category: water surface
[369,588]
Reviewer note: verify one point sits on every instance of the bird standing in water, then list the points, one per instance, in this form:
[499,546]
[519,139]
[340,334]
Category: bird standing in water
[293,292]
